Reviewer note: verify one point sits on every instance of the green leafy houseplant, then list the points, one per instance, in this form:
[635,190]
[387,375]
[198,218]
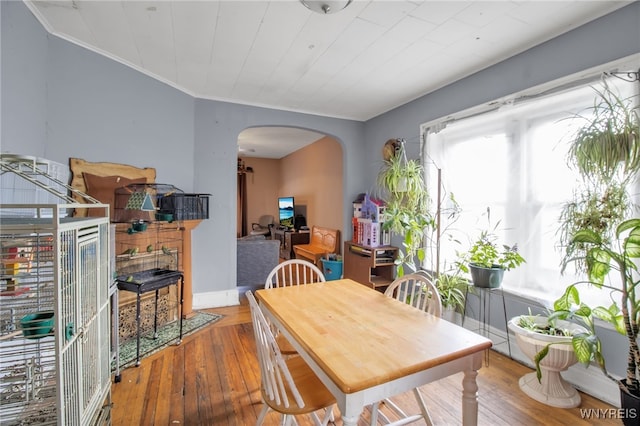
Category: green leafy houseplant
[598,235]
[450,280]
[550,327]
[487,253]
[452,287]
[605,151]
[406,212]
[601,258]
[607,145]
[487,260]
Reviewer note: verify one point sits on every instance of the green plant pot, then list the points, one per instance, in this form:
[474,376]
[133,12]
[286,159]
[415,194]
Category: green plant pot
[486,277]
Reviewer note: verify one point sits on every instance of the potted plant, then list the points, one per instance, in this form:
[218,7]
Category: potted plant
[450,280]
[487,260]
[607,144]
[406,213]
[602,257]
[452,287]
[546,385]
[605,150]
[600,239]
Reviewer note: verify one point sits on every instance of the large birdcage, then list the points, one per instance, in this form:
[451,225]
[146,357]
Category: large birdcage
[54,302]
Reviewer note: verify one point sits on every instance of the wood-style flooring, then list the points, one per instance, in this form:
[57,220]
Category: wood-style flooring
[212,378]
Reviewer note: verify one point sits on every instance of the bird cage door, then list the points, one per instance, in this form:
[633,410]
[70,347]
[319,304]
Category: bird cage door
[84,308]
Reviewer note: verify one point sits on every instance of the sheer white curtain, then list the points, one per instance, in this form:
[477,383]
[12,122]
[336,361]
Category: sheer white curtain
[511,161]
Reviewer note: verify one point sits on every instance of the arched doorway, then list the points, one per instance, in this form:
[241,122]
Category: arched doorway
[285,161]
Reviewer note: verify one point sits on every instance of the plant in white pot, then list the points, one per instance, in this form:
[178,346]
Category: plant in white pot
[546,385]
[453,288]
[601,258]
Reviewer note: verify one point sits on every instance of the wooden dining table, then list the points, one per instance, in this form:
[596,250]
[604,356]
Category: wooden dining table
[365,346]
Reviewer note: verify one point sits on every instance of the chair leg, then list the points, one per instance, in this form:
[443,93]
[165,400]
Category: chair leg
[263,413]
[423,407]
[374,413]
[332,417]
[404,417]
[328,417]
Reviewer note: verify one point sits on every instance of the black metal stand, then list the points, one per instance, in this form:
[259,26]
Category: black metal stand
[152,280]
[484,316]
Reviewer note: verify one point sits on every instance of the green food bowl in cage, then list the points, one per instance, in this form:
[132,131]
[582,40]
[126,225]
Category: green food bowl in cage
[37,325]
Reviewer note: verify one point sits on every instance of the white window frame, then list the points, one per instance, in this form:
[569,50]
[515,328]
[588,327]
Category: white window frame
[539,104]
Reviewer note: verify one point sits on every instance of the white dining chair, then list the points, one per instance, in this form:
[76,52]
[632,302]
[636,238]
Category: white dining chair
[418,291]
[294,272]
[288,386]
[288,273]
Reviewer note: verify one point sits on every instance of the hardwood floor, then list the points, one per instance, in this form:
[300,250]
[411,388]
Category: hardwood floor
[212,378]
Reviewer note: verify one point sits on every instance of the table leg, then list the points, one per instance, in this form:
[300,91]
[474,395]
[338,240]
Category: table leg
[351,407]
[155,317]
[470,398]
[138,329]
[350,421]
[181,308]
[115,334]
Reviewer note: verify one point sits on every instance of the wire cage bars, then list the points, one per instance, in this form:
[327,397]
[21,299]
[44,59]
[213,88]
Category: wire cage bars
[54,303]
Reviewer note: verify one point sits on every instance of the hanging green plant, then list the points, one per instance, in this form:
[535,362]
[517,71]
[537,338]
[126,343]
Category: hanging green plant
[401,182]
[600,233]
[607,145]
[597,208]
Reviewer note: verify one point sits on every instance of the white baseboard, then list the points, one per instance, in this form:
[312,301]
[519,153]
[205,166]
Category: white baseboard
[216,299]
[588,380]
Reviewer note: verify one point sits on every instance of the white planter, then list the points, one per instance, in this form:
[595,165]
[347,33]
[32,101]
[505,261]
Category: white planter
[552,389]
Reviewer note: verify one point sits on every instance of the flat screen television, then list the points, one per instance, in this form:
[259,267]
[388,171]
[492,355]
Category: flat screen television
[286,211]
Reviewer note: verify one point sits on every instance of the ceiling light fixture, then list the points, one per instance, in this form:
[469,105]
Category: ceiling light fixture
[326,7]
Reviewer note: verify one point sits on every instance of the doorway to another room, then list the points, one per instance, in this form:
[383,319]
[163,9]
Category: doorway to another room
[277,162]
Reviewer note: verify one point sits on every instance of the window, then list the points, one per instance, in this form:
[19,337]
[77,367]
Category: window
[512,161]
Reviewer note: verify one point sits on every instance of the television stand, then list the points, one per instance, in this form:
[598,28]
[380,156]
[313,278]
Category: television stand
[289,238]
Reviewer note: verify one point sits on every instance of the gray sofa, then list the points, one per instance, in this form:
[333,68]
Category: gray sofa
[257,256]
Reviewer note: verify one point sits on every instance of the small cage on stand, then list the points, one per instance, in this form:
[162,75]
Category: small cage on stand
[148,263]
[54,301]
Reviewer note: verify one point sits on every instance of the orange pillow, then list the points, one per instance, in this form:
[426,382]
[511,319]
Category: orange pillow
[103,189]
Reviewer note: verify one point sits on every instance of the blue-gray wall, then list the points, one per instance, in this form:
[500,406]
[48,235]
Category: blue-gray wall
[23,81]
[59,100]
[217,127]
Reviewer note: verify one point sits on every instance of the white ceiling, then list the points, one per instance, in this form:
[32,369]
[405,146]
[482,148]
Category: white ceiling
[356,64]
[274,142]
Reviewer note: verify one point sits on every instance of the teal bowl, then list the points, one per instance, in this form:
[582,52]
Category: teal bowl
[164,217]
[38,325]
[139,226]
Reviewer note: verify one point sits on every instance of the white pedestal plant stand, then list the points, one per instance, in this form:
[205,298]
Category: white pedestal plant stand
[552,389]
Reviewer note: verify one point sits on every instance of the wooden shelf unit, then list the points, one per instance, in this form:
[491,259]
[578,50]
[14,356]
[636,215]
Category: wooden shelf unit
[370,266]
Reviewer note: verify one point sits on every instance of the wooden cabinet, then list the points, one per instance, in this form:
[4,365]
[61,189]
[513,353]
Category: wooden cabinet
[288,239]
[371,266]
